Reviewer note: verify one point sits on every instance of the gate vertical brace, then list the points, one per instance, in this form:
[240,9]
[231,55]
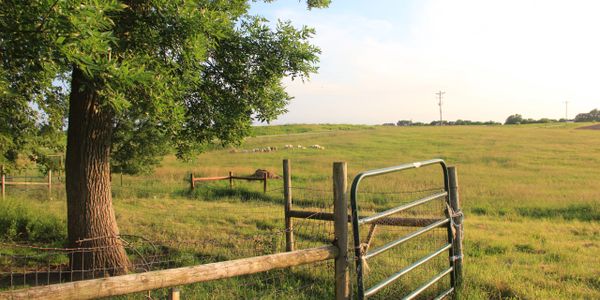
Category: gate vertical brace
[450,234]
[340,211]
[360,290]
[287,193]
[457,245]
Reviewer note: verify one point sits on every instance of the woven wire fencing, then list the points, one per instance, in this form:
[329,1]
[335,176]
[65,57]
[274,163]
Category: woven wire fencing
[25,265]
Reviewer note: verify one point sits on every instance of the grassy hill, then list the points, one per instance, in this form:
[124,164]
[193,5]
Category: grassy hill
[530,196]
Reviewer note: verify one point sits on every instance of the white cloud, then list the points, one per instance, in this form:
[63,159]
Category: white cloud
[493,58]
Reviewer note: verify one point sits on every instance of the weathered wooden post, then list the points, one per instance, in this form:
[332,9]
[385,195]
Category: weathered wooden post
[3,181]
[174,294]
[49,182]
[287,194]
[230,180]
[265,177]
[340,212]
[458,220]
[192,181]
[121,178]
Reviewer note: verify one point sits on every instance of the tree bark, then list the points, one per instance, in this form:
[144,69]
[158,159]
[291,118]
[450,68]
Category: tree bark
[90,214]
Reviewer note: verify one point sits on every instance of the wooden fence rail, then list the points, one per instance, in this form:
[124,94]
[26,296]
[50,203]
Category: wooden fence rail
[230,177]
[133,283]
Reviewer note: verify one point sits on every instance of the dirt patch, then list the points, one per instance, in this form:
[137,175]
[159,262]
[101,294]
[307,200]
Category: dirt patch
[591,127]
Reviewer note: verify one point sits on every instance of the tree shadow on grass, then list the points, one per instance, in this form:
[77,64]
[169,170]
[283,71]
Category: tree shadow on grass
[584,212]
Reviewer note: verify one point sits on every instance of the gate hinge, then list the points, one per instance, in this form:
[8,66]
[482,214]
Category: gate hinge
[456,257]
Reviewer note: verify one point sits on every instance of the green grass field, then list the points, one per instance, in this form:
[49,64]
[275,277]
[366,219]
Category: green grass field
[531,196]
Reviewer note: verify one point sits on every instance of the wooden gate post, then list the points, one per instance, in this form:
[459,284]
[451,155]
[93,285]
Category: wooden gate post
[455,205]
[287,193]
[340,212]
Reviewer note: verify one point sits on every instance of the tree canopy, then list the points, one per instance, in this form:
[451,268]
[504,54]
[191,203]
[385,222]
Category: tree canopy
[131,80]
[174,74]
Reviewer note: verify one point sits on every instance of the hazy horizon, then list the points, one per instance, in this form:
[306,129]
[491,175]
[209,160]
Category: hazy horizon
[383,61]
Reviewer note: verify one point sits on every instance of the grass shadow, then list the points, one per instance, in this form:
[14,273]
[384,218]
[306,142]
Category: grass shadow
[584,212]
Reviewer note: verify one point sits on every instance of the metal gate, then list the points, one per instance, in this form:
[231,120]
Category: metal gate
[363,254]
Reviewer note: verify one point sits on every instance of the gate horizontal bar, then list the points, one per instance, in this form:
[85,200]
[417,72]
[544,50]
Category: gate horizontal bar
[406,238]
[444,294]
[325,216]
[400,168]
[402,272]
[401,208]
[429,283]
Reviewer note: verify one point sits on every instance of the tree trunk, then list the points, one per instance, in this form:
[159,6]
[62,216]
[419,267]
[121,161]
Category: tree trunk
[91,217]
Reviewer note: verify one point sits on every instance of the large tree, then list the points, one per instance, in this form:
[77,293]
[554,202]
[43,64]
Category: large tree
[132,80]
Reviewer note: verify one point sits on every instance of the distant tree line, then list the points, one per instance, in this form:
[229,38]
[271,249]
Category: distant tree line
[592,116]
[518,119]
[437,123]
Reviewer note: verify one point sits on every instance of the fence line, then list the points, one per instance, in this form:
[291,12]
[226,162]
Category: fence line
[306,229]
[5,182]
[126,284]
[231,178]
[102,287]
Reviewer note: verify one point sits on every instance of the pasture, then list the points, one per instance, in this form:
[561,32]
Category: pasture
[530,194]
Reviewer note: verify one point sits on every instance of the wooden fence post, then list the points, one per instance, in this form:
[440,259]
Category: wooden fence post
[230,180]
[340,211]
[455,205]
[3,181]
[265,177]
[287,193]
[192,181]
[174,294]
[49,181]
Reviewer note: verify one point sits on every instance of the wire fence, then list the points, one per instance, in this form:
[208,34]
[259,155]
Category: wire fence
[23,266]
[26,265]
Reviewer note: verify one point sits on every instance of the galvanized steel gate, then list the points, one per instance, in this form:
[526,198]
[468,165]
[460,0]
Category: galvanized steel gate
[453,245]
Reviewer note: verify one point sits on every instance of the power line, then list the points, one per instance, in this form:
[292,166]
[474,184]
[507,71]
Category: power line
[440,94]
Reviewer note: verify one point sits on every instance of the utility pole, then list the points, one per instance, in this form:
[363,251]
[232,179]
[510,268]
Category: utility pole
[440,94]
[566,111]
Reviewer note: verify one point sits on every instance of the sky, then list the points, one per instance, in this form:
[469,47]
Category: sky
[385,60]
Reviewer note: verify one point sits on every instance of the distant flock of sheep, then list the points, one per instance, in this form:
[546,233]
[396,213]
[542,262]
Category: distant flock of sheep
[272,149]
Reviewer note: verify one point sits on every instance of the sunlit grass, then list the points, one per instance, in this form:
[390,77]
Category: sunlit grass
[530,195]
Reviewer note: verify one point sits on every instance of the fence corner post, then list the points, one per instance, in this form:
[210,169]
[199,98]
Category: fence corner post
[457,242]
[287,193]
[230,180]
[174,294]
[192,181]
[340,212]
